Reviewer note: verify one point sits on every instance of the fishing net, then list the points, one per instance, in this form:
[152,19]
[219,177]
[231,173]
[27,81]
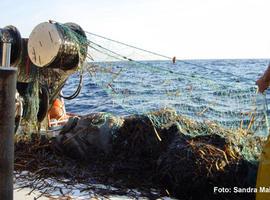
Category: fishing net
[56,176]
[30,94]
[143,156]
[181,127]
[72,36]
[138,82]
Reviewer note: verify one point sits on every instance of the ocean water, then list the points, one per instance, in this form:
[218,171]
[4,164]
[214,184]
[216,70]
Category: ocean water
[223,91]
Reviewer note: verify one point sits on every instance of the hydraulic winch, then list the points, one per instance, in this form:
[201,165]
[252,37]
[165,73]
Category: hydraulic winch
[44,61]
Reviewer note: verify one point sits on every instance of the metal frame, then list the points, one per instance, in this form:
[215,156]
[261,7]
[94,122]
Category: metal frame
[6,40]
[7,116]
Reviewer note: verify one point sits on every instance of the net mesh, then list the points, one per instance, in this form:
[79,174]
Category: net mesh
[137,81]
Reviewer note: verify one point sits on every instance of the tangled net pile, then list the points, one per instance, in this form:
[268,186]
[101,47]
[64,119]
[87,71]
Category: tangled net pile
[212,139]
[177,158]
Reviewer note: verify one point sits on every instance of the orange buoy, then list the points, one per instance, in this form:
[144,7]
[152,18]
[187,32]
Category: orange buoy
[56,111]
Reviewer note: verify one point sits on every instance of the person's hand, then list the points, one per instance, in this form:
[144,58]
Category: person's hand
[262,84]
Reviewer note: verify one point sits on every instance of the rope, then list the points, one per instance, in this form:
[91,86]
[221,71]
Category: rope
[144,50]
[265,112]
[203,67]
[197,77]
[131,46]
[154,53]
[160,55]
[105,53]
[143,64]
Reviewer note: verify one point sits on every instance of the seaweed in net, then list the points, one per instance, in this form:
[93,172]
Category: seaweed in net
[180,155]
[193,166]
[40,167]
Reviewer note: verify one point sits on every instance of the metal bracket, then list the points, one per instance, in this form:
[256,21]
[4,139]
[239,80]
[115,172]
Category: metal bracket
[6,40]
[6,37]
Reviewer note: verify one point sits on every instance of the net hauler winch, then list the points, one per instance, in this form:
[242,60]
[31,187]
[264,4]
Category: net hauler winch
[57,45]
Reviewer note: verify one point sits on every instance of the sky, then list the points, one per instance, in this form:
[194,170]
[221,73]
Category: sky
[187,29]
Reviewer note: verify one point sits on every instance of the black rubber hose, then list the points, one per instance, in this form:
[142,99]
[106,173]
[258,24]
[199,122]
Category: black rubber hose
[77,92]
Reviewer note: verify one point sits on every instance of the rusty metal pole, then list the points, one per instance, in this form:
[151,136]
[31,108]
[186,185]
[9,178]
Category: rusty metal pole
[7,116]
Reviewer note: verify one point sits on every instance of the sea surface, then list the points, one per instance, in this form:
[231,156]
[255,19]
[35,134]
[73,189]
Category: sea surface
[223,91]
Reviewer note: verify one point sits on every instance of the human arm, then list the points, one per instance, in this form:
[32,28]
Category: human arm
[264,81]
